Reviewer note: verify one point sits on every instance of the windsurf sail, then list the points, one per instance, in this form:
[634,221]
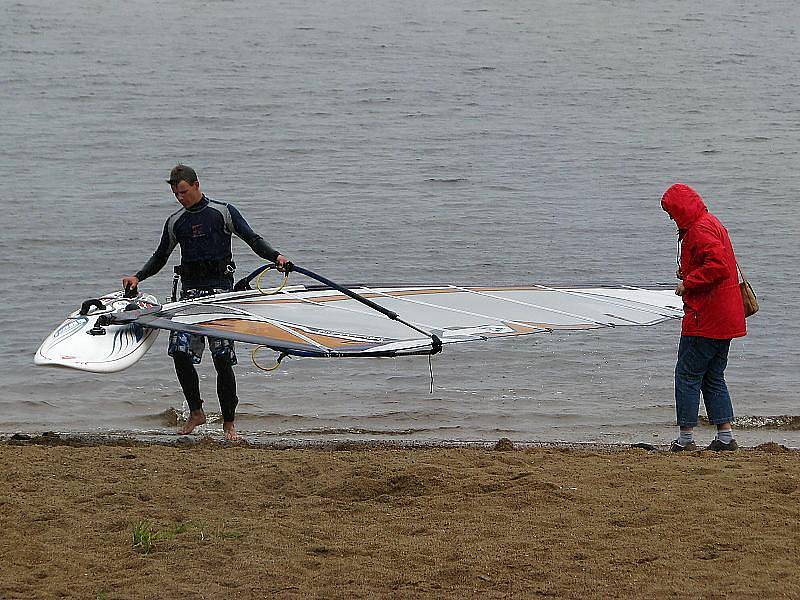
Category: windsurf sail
[330,320]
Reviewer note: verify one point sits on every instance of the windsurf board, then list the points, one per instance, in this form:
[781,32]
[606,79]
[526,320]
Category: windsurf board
[80,342]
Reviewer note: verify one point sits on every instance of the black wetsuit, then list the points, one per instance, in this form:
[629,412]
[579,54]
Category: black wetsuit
[204,234]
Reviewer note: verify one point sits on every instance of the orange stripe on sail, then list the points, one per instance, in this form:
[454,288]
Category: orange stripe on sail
[268,330]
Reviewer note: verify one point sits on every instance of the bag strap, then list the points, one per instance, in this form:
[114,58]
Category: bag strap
[736,260]
[744,279]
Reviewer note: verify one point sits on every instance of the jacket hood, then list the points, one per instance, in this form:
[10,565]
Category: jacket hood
[683,204]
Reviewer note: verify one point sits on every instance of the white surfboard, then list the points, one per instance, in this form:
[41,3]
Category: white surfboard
[78,344]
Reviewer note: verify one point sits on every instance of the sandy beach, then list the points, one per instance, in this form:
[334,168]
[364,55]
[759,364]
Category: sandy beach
[119,519]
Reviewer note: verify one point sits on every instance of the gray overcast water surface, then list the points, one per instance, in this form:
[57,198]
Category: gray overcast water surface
[471,142]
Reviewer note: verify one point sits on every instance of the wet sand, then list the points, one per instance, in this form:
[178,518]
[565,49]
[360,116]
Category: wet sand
[351,521]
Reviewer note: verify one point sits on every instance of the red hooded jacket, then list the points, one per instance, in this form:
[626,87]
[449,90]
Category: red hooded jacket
[712,304]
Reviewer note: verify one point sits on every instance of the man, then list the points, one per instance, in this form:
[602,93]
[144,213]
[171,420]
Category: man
[713,315]
[203,229]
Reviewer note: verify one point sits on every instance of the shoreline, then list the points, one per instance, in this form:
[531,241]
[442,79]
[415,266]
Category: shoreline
[50,438]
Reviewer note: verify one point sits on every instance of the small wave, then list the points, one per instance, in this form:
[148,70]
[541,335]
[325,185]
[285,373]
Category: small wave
[33,52]
[351,431]
[729,61]
[446,180]
[168,418]
[502,188]
[172,417]
[784,422]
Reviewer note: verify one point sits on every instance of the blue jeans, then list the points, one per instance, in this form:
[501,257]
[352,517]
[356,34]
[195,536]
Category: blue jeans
[701,367]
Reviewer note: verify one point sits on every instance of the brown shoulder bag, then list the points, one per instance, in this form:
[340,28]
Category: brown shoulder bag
[749,299]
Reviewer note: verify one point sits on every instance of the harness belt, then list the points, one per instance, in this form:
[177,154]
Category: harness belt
[205,269]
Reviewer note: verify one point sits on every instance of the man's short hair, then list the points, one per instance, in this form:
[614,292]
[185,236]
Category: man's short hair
[182,173]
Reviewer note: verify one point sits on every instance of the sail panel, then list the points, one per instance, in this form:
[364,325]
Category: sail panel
[324,322]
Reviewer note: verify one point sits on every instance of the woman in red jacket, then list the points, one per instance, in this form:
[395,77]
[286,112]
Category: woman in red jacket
[713,315]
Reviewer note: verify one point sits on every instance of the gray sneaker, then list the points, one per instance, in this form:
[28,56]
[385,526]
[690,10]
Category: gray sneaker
[676,447]
[717,446]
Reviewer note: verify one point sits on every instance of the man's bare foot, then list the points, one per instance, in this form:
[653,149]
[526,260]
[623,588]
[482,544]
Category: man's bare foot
[196,417]
[230,432]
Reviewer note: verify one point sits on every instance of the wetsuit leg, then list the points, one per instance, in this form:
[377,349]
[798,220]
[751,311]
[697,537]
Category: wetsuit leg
[187,376]
[226,387]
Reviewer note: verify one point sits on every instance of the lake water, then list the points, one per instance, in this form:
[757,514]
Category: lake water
[471,142]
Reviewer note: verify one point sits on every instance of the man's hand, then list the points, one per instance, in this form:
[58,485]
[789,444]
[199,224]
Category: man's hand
[680,290]
[130,281]
[281,261]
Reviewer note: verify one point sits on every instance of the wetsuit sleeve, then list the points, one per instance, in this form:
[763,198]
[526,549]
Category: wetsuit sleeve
[160,256]
[242,229]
